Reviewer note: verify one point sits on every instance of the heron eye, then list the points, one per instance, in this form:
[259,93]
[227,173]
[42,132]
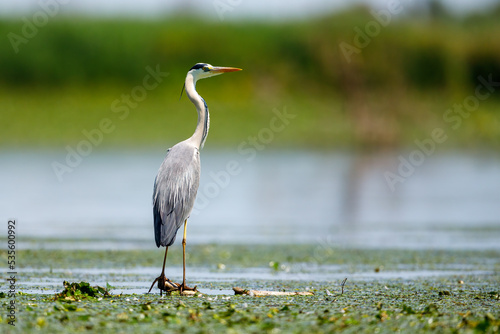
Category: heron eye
[206,69]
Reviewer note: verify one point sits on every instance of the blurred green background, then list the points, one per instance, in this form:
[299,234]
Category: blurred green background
[396,89]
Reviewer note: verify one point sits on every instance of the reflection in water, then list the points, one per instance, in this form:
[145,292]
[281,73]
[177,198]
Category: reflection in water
[450,201]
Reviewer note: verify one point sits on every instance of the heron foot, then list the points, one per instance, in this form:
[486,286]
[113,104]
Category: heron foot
[164,284]
[184,287]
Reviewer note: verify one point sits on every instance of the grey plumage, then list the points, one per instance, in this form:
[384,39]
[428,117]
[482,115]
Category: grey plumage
[175,191]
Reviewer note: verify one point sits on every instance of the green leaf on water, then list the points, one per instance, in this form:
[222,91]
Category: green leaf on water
[274,265]
[70,307]
[407,309]
[84,317]
[430,309]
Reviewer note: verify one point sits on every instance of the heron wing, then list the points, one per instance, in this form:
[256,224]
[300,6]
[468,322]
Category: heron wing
[175,191]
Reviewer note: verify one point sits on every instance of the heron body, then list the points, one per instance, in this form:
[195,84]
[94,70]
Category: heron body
[174,196]
[178,178]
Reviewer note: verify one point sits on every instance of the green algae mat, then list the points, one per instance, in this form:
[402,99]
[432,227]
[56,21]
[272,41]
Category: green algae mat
[409,291]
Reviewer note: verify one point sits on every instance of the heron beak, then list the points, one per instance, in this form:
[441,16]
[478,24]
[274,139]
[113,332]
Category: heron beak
[219,70]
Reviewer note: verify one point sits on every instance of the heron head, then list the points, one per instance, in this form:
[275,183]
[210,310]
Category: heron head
[202,70]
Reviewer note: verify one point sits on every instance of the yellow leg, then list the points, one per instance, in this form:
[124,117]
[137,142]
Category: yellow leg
[183,286]
[184,255]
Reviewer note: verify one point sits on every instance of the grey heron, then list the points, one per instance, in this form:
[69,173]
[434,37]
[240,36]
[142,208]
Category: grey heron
[178,178]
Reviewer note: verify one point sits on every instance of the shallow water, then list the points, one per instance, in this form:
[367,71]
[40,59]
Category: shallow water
[137,280]
[450,201]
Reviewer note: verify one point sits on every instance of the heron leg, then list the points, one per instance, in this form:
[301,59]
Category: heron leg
[183,286]
[164,284]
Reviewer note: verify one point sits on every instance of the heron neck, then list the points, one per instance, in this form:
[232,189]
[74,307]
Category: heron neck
[200,133]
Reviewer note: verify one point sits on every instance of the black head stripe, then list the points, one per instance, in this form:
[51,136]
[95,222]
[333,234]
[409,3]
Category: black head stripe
[198,66]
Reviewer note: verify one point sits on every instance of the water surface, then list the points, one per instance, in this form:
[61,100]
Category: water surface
[451,201]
